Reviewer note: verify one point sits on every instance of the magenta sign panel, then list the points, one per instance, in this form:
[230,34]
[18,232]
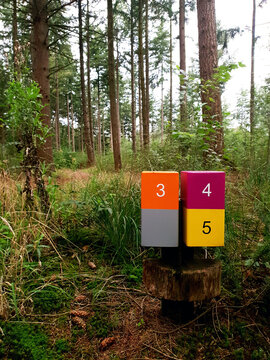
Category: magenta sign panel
[203,189]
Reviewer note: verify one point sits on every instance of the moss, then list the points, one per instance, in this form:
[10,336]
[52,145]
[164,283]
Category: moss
[22,341]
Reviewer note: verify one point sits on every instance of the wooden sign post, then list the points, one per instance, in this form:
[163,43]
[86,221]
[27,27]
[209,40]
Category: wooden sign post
[179,279]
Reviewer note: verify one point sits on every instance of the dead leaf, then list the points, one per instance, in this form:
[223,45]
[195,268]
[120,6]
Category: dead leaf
[91,265]
[106,343]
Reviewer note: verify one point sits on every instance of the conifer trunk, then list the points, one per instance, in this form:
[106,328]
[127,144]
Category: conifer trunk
[162,106]
[57,124]
[208,58]
[147,96]
[68,122]
[98,120]
[40,68]
[252,84]
[113,109]
[87,137]
[89,95]
[15,43]
[182,46]
[145,124]
[72,124]
[170,110]
[118,91]
[140,117]
[133,100]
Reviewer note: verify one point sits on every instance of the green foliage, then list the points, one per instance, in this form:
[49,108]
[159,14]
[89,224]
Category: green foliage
[117,214]
[134,274]
[22,341]
[25,111]
[67,159]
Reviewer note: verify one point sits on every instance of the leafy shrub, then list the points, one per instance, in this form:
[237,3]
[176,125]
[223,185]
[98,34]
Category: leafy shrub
[65,158]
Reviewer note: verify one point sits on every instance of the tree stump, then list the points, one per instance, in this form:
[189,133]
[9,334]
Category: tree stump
[179,286]
[195,281]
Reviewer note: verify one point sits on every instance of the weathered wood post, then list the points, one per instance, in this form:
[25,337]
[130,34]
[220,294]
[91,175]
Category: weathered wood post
[179,278]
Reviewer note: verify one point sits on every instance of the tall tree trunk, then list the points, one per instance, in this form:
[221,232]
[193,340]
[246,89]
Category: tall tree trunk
[87,137]
[133,99]
[89,96]
[113,109]
[15,42]
[103,135]
[118,90]
[57,124]
[210,95]
[182,46]
[40,68]
[162,106]
[170,110]
[140,117]
[68,122]
[268,147]
[142,82]
[98,119]
[72,124]
[147,96]
[252,85]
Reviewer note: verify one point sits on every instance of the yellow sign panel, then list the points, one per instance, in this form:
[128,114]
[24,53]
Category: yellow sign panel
[203,227]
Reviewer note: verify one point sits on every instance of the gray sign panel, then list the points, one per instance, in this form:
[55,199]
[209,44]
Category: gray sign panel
[160,227]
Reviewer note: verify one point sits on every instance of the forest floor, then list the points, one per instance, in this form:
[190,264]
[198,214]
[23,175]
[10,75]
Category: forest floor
[85,307]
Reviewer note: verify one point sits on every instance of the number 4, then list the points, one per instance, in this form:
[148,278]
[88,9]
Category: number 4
[206,190]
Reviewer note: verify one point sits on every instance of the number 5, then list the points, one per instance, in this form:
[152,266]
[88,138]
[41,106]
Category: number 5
[205,226]
[161,189]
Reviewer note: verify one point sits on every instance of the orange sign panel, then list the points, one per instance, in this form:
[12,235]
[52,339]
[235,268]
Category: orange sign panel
[160,190]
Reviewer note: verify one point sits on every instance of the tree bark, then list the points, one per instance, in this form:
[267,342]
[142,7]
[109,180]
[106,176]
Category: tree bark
[162,106]
[113,109]
[87,137]
[147,96]
[252,84]
[140,117]
[72,124]
[89,95]
[40,68]
[145,124]
[15,42]
[170,110]
[98,119]
[68,122]
[208,58]
[133,100]
[103,135]
[57,124]
[182,46]
[118,90]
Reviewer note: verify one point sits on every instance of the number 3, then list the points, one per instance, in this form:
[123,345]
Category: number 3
[161,189]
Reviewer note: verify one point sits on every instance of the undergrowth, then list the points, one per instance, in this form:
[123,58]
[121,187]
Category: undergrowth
[90,245]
